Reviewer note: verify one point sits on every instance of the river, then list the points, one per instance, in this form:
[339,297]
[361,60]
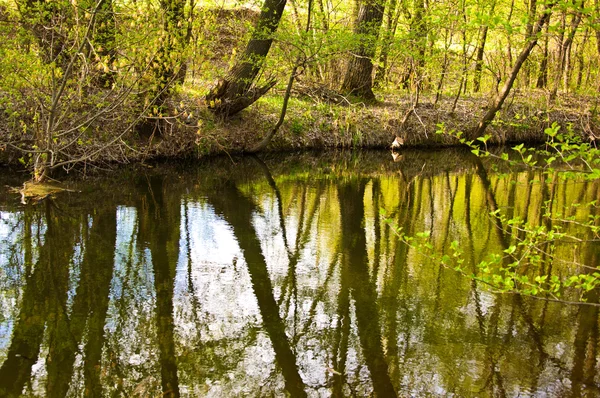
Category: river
[280,276]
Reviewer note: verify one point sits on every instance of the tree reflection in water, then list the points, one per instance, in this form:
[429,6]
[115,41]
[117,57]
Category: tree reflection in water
[268,279]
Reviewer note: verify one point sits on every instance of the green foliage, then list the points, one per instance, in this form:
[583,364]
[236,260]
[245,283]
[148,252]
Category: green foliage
[525,264]
[130,57]
[72,80]
[296,126]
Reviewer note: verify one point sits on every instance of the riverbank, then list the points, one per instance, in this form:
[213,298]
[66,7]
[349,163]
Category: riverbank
[190,131]
[323,125]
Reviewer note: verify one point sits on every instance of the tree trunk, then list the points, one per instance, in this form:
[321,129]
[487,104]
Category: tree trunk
[236,91]
[358,79]
[542,80]
[480,52]
[530,20]
[419,28]
[440,86]
[265,141]
[479,59]
[509,52]
[186,41]
[462,87]
[388,38]
[296,16]
[501,97]
[564,50]
[580,59]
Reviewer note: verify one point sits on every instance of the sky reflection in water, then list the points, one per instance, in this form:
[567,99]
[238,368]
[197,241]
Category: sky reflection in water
[280,277]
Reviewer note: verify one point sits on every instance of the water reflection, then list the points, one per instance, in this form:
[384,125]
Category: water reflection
[279,277]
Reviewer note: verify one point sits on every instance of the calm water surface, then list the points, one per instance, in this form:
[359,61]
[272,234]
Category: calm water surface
[279,277]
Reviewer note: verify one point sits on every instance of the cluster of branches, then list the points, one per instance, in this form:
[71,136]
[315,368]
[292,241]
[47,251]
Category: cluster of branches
[73,72]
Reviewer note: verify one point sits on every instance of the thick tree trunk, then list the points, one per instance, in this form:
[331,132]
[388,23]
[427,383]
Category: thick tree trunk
[358,79]
[237,91]
[501,97]
[265,141]
[479,59]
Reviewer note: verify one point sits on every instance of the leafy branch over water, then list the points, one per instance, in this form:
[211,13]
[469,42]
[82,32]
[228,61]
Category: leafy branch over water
[553,256]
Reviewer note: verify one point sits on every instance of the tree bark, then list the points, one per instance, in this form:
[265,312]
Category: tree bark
[480,52]
[564,51]
[265,141]
[358,79]
[237,91]
[542,80]
[388,38]
[501,97]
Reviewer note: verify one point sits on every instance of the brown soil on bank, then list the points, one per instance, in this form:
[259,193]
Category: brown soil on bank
[315,125]
[191,131]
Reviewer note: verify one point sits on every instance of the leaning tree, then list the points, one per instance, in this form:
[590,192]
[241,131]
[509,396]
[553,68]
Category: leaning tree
[237,90]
